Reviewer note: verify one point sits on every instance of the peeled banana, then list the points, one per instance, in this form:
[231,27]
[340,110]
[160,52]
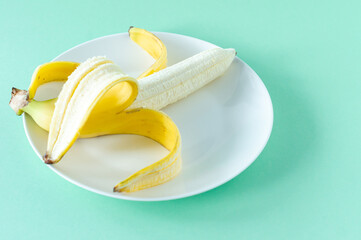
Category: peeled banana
[181,79]
[99,99]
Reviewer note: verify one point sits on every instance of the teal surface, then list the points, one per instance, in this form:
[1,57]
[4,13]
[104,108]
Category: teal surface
[306,184]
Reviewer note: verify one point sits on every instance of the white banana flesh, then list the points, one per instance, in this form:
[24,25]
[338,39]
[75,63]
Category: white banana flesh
[179,80]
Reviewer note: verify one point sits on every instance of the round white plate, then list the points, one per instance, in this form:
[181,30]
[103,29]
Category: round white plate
[224,126]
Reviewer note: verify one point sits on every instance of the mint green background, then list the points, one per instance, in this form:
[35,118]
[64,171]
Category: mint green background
[306,184]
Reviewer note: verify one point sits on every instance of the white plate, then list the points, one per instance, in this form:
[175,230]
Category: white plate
[224,126]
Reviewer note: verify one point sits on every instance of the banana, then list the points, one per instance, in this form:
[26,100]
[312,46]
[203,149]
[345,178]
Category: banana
[99,99]
[156,90]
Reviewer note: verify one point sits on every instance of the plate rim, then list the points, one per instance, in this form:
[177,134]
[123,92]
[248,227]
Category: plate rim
[155,199]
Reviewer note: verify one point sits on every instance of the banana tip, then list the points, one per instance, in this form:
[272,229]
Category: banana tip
[118,188]
[47,159]
[130,28]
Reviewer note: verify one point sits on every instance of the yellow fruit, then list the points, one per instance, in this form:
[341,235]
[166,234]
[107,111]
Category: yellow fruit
[97,99]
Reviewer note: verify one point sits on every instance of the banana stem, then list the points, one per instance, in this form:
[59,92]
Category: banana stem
[19,99]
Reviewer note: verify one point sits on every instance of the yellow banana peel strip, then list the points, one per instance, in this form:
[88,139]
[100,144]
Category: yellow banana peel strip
[50,72]
[153,45]
[148,123]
